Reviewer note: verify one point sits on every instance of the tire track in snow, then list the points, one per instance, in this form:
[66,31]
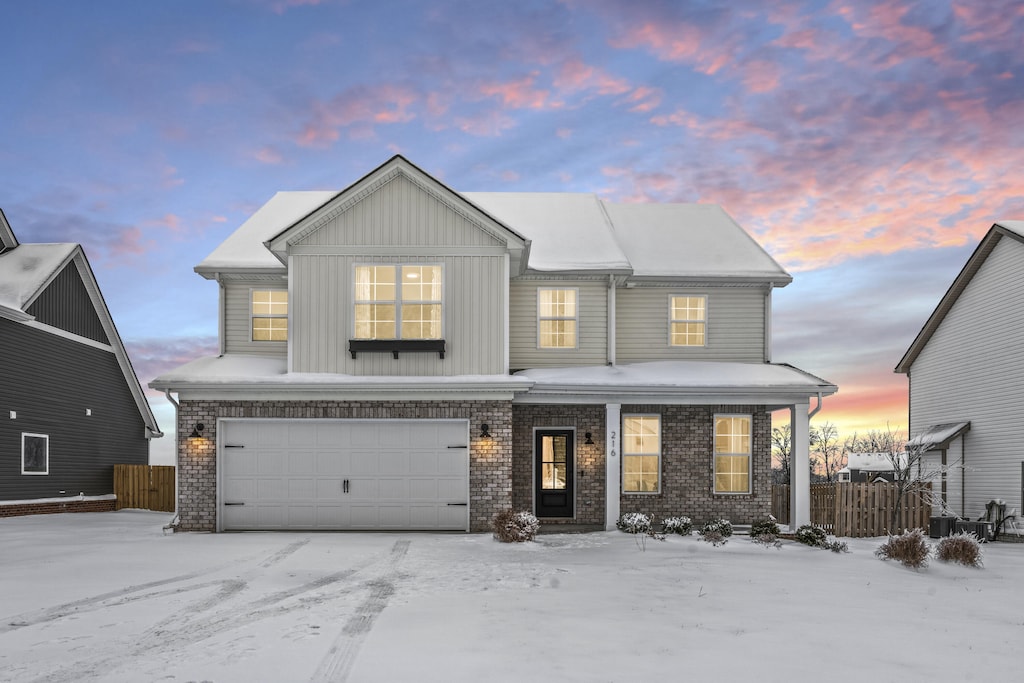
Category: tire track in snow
[337,665]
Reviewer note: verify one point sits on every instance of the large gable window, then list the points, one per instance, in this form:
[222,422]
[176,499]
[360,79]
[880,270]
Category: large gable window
[35,454]
[688,320]
[269,315]
[398,302]
[557,318]
[641,453]
[732,453]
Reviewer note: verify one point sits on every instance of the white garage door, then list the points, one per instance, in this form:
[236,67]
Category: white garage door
[343,474]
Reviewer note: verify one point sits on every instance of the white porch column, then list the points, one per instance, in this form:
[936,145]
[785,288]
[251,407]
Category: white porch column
[613,464]
[800,466]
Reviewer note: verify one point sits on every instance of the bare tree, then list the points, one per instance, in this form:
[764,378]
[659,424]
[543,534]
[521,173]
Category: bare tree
[782,453]
[826,449]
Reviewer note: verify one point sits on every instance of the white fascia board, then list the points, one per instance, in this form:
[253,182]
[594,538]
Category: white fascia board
[704,396]
[335,393]
[15,314]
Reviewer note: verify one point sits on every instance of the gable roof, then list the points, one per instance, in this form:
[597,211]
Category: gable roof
[548,231]
[26,270]
[999,230]
[7,238]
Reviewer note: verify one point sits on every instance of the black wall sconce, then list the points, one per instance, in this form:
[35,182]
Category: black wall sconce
[587,440]
[485,431]
[197,431]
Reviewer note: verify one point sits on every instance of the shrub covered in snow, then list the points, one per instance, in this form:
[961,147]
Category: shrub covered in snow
[716,531]
[515,527]
[765,532]
[635,523]
[837,546]
[811,535]
[962,548]
[677,525]
[909,548]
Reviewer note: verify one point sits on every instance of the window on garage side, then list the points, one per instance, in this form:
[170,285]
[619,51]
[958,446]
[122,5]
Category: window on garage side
[641,453]
[557,318]
[732,453]
[269,315]
[398,302]
[35,454]
[688,320]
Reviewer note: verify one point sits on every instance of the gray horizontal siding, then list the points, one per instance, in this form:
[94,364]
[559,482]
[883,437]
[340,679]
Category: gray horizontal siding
[238,319]
[972,368]
[592,327]
[735,325]
[50,381]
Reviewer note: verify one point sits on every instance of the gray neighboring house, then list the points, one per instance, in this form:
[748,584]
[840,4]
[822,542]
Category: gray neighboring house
[966,375]
[399,355]
[71,406]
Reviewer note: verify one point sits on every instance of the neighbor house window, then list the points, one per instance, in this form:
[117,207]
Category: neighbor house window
[641,453]
[557,318]
[35,454]
[732,453]
[398,302]
[688,320]
[269,315]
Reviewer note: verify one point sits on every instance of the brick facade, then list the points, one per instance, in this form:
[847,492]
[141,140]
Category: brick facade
[687,466]
[490,468]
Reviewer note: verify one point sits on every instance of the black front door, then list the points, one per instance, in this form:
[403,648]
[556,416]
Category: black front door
[554,468]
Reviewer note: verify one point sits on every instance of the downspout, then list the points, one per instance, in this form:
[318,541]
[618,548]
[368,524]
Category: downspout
[768,324]
[611,320]
[176,520]
[816,408]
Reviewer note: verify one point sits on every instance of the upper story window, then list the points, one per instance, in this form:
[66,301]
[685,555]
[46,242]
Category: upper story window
[398,302]
[557,318]
[687,320]
[732,453]
[269,315]
[641,453]
[35,454]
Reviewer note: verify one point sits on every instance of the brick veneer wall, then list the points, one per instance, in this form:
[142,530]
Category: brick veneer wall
[490,465]
[590,459]
[687,467]
[106,505]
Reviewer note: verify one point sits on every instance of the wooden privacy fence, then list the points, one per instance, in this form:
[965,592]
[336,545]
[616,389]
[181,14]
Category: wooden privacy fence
[144,487]
[858,509]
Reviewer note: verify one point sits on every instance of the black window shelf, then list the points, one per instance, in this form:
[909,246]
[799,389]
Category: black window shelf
[396,346]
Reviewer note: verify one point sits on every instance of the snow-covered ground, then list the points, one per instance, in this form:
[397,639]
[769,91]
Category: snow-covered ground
[109,597]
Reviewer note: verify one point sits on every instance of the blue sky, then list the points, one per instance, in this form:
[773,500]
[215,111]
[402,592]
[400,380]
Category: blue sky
[868,146]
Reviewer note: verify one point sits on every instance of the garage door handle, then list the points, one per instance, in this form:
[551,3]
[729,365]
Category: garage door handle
[233,445]
[458,447]
[462,504]
[227,503]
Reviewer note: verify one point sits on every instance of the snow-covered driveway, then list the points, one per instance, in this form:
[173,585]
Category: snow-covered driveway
[109,597]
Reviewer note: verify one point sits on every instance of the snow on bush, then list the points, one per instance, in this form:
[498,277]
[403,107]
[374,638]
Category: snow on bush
[635,523]
[811,535]
[515,527]
[962,548]
[677,525]
[716,531]
[765,532]
[909,548]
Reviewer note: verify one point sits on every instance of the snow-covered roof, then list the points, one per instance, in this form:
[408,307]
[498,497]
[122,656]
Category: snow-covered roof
[870,462]
[937,437]
[25,269]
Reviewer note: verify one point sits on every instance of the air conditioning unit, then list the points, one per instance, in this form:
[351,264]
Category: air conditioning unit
[940,526]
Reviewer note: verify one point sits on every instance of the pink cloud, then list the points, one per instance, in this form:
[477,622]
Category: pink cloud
[359,109]
[575,75]
[517,94]
[485,124]
[268,155]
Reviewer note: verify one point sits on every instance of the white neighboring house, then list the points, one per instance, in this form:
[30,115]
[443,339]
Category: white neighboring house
[966,375]
[399,355]
[867,467]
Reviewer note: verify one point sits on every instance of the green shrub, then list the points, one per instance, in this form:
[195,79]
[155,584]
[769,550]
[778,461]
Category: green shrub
[909,548]
[765,532]
[677,525]
[635,523]
[515,527]
[837,546]
[962,548]
[716,531]
[811,535]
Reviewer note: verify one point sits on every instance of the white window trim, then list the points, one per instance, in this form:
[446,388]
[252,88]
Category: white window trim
[286,316]
[661,452]
[353,301]
[749,455]
[45,437]
[576,318]
[674,320]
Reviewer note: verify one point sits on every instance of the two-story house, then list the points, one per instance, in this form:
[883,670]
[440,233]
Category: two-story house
[399,355]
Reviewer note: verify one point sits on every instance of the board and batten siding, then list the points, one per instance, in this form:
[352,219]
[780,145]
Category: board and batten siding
[238,318]
[972,368]
[735,325]
[66,304]
[592,328]
[322,309]
[49,384]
